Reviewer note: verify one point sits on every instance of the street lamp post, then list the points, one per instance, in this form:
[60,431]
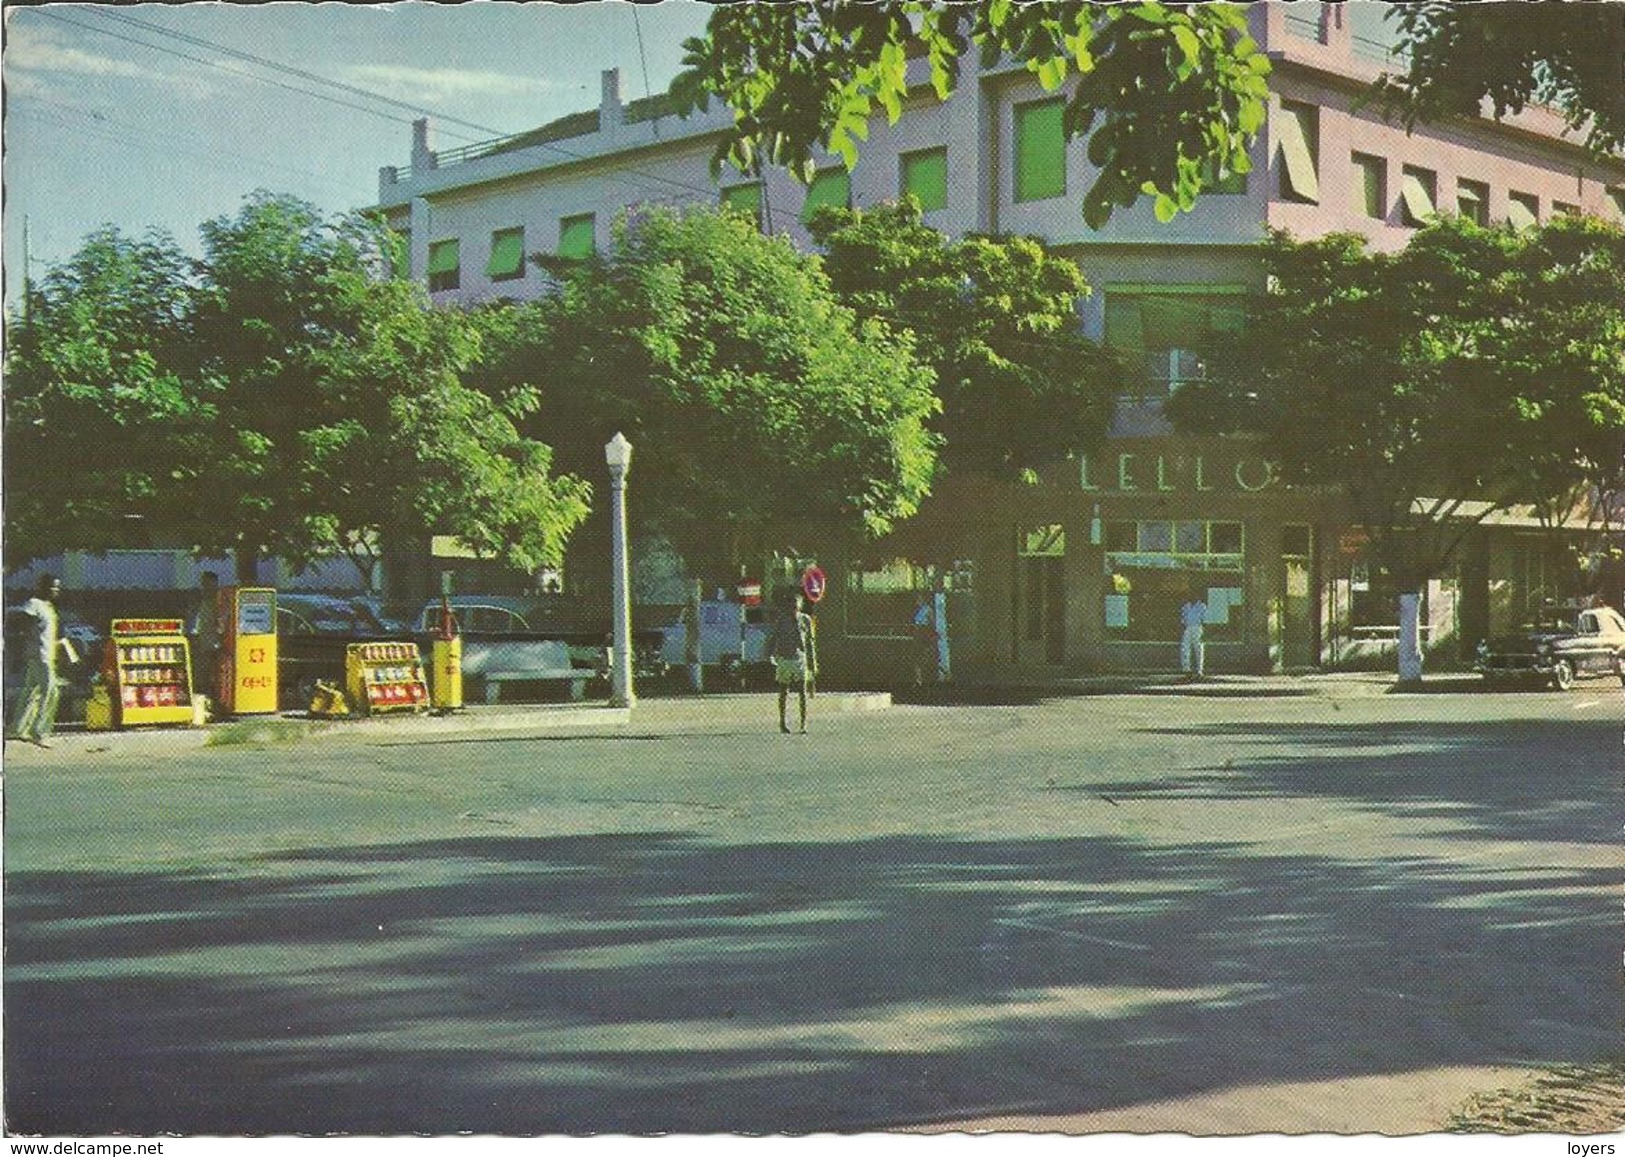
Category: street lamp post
[618,456]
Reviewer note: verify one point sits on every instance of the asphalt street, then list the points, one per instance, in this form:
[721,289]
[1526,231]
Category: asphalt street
[1196,913]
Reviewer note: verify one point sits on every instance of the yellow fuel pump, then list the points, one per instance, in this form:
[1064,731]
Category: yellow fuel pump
[446,657]
[248,684]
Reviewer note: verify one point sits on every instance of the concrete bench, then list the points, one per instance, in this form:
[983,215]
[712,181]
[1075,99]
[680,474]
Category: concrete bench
[543,662]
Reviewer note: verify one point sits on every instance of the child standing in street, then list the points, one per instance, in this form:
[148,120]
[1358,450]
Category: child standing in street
[795,662]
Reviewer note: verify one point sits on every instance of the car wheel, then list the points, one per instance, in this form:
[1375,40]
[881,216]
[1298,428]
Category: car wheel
[1563,675]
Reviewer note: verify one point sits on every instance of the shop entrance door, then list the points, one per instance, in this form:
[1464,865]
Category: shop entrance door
[1040,635]
[1300,621]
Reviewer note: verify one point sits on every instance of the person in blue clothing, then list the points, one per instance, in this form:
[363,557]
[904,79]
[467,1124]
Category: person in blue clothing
[795,662]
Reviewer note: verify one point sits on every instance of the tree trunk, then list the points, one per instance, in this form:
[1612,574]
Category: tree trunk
[248,565]
[1410,639]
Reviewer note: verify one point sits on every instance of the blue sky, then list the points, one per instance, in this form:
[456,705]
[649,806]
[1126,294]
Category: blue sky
[147,116]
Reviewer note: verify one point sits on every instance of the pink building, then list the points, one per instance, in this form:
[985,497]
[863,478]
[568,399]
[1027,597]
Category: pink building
[1029,570]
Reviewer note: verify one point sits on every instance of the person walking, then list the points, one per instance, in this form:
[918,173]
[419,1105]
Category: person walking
[1192,618]
[925,641]
[41,688]
[795,660]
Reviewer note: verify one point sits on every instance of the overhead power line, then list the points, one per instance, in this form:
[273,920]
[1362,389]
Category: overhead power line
[290,70]
[57,16]
[651,182]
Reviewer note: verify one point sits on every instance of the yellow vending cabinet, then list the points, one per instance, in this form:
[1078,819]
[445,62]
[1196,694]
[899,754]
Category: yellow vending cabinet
[148,671]
[383,677]
[248,651]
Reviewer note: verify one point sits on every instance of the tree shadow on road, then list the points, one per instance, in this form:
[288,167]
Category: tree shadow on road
[1500,780]
[656,982]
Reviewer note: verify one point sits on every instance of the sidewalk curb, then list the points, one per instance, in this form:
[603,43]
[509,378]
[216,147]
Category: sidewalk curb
[513,721]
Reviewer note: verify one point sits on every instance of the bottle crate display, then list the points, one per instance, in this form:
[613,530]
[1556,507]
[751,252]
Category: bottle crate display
[386,677]
[150,673]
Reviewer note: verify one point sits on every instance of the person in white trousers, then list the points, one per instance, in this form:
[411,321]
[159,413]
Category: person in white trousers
[1192,618]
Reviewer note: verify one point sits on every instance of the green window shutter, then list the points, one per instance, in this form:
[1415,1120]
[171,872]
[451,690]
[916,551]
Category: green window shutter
[745,199]
[925,174]
[1371,186]
[1040,151]
[1523,211]
[443,257]
[830,187]
[577,235]
[1297,134]
[1124,329]
[507,255]
[445,265]
[1416,191]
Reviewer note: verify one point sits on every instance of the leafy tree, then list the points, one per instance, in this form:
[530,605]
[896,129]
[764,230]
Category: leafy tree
[95,401]
[282,395]
[1475,370]
[753,398]
[345,423]
[1569,56]
[403,447]
[995,317]
[1165,92]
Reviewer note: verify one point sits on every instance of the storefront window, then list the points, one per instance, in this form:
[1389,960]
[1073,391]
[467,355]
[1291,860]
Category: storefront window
[881,595]
[1156,565]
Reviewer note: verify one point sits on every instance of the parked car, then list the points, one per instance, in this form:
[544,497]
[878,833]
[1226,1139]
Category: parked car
[1560,648]
[732,637]
[314,633]
[483,614]
[485,619]
[330,615]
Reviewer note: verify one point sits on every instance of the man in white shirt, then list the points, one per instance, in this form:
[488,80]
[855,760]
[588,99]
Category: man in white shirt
[41,689]
[1192,618]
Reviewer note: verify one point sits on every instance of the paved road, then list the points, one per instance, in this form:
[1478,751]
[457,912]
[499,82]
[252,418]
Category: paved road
[1208,914]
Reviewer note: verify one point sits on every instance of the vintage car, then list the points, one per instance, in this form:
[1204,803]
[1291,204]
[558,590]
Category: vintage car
[1558,649]
[505,620]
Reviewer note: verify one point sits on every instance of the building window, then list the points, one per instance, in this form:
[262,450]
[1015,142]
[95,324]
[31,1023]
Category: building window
[1298,141]
[1040,151]
[1371,186]
[1157,565]
[578,236]
[1523,210]
[1419,194]
[1564,209]
[925,174]
[507,255]
[445,265]
[1473,201]
[883,594]
[1166,332]
[831,187]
